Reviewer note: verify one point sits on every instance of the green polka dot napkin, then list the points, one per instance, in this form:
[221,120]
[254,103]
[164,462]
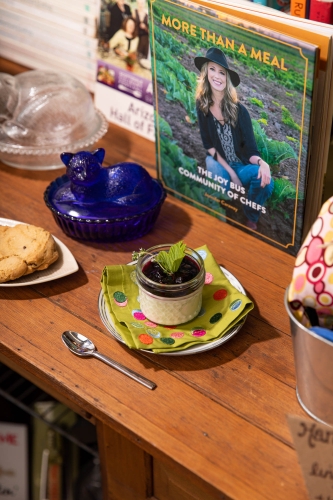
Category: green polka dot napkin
[223,306]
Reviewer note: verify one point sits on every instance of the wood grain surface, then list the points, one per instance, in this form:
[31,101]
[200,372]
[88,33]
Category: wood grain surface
[216,425]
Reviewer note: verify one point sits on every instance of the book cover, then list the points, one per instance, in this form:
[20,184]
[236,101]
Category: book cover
[266,141]
[123,90]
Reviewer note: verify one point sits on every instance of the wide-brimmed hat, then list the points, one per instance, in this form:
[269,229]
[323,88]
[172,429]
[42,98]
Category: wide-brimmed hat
[217,56]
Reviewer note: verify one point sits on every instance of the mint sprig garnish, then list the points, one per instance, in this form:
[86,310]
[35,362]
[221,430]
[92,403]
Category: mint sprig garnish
[169,261]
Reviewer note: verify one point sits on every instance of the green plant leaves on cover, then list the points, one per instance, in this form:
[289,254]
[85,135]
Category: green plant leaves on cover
[287,119]
[273,152]
[164,127]
[283,190]
[179,83]
[171,260]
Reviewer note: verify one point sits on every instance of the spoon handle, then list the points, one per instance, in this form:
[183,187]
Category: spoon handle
[127,371]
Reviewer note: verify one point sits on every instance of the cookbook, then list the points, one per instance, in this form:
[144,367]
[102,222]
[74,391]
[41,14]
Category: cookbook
[278,142]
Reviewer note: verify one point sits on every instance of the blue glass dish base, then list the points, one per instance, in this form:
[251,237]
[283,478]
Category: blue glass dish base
[103,221]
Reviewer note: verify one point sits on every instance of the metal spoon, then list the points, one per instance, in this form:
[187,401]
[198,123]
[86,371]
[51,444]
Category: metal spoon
[80,345]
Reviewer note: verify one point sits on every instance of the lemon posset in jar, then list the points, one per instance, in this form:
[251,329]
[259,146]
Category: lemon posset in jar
[170,280]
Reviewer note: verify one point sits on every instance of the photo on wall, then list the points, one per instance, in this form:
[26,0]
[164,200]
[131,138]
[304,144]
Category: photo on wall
[233,104]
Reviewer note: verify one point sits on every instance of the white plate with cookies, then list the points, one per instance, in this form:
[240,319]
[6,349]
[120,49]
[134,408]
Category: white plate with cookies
[29,263]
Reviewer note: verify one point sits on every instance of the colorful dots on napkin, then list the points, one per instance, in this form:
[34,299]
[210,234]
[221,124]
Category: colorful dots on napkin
[215,318]
[177,335]
[154,333]
[146,339]
[198,332]
[138,314]
[167,340]
[120,299]
[150,323]
[220,294]
[236,304]
[208,278]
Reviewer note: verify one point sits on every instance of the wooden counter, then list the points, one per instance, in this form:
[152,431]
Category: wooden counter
[216,425]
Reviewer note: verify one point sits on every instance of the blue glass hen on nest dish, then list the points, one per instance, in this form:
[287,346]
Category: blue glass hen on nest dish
[120,202]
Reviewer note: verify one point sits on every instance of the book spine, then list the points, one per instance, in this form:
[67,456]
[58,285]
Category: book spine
[81,12]
[321,11]
[69,24]
[307,10]
[283,5]
[298,8]
[53,8]
[52,44]
[53,53]
[86,8]
[44,62]
[54,445]
[11,19]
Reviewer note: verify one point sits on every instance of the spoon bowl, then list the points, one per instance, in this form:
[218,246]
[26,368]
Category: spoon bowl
[82,346]
[78,344]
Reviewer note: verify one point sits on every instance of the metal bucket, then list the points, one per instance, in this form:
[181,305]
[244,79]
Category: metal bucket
[313,357]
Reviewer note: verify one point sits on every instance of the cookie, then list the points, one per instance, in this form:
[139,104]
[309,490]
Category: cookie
[25,249]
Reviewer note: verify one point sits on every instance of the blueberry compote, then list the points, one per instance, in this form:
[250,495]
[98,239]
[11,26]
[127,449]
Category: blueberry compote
[188,269]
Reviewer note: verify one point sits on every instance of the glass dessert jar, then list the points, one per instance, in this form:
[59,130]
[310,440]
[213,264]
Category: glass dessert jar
[175,303]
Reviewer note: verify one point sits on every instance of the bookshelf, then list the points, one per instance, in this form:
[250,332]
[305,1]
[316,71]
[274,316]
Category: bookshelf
[164,460]
[19,402]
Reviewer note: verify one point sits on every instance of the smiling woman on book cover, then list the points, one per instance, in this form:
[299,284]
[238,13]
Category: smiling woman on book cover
[227,135]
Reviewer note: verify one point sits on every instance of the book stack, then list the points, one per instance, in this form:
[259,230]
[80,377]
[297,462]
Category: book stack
[52,35]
